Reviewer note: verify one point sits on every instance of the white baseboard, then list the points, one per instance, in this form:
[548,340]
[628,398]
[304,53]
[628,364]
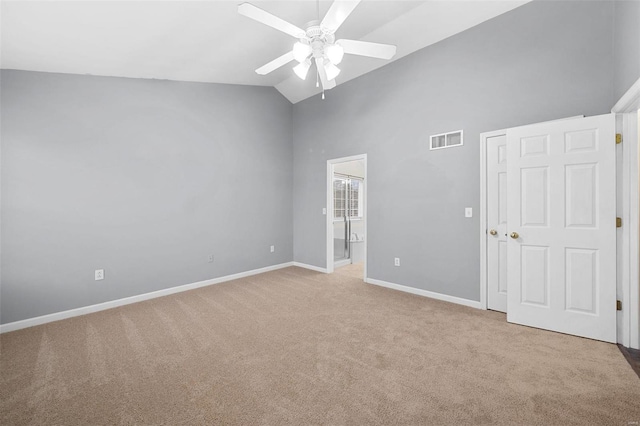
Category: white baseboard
[30,322]
[313,268]
[425,293]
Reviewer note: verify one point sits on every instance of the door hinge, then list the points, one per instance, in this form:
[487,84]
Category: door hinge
[618,222]
[618,138]
[618,305]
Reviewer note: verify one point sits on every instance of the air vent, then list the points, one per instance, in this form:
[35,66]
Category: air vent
[446,140]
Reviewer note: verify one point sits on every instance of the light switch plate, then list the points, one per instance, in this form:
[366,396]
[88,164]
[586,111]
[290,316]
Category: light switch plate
[324,210]
[468,212]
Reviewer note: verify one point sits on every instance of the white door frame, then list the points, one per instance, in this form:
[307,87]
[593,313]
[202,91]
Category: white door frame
[329,230]
[627,107]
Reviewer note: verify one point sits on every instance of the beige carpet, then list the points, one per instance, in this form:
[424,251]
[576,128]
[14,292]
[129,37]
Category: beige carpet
[299,347]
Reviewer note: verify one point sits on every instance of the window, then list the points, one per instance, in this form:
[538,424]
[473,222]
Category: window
[446,140]
[355,198]
[347,198]
[339,197]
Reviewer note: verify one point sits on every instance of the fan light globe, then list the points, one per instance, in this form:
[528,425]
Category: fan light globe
[301,51]
[331,70]
[302,69]
[335,52]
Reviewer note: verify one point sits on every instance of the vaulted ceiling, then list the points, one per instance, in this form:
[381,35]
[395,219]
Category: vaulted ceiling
[208,41]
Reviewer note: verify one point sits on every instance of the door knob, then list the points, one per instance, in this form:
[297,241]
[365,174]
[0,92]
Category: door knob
[493,232]
[514,235]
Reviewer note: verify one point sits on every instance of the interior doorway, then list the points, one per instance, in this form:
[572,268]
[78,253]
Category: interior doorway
[347,212]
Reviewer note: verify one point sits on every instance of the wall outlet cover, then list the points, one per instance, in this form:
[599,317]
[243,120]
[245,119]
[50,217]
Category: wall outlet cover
[273,248]
[99,274]
[468,212]
[210,258]
[396,261]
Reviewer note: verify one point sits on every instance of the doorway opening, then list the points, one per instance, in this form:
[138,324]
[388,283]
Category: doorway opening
[347,213]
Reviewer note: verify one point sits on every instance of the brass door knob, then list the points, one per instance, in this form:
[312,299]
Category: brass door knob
[493,232]
[514,235]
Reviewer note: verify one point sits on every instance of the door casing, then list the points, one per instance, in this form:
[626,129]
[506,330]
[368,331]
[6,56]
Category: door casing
[329,212]
[628,124]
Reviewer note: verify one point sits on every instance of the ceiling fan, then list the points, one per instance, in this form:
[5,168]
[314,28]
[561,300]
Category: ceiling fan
[317,43]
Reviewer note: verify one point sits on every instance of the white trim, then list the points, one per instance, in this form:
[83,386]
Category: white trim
[30,322]
[329,218]
[634,229]
[311,267]
[629,275]
[628,106]
[425,293]
[622,240]
[630,101]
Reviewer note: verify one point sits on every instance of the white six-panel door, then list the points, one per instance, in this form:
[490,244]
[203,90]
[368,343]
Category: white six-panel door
[561,267]
[497,223]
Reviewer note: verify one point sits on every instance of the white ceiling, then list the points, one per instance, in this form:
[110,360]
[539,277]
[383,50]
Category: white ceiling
[208,41]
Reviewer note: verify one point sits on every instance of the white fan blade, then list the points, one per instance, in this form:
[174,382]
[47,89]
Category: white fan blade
[276,63]
[326,84]
[253,12]
[365,48]
[337,13]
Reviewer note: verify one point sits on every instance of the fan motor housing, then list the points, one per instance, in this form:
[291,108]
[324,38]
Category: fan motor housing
[317,38]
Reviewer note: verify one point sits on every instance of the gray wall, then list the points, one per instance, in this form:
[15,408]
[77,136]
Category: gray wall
[626,46]
[143,178]
[542,61]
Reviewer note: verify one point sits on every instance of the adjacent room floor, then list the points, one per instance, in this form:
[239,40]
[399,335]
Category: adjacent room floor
[300,347]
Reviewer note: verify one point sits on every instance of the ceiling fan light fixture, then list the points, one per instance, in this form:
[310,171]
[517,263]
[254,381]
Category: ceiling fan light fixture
[301,51]
[331,70]
[317,43]
[302,69]
[335,52]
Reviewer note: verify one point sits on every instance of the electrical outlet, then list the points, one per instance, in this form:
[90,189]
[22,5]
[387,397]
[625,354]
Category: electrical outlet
[210,258]
[396,261]
[99,274]
[468,212]
[273,248]
[324,210]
